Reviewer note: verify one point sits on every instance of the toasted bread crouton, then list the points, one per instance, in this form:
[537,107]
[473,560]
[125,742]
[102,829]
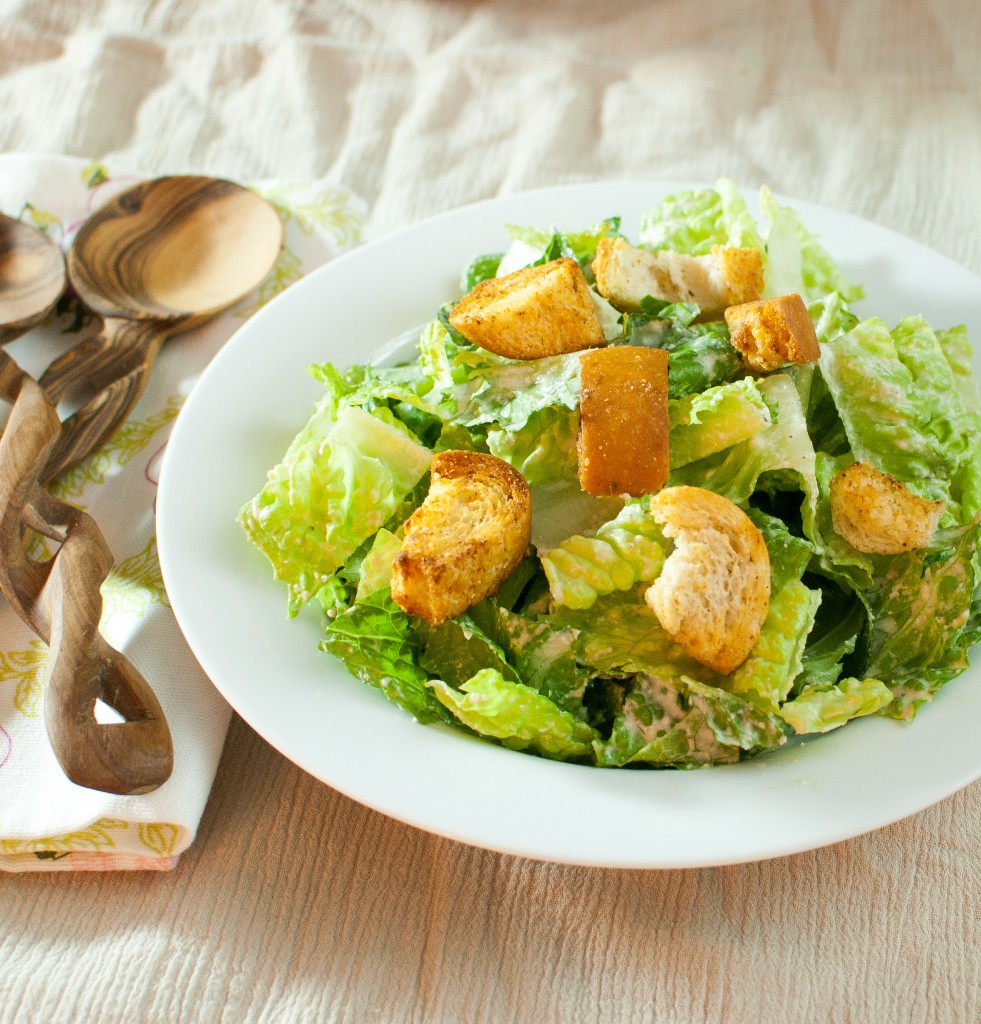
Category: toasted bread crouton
[713,593]
[531,313]
[465,539]
[625,274]
[770,333]
[878,514]
[623,420]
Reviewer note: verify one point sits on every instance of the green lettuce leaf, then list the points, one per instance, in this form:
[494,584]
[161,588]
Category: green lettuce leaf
[626,550]
[375,642]
[376,567]
[545,657]
[458,649]
[707,422]
[681,723]
[795,260]
[700,354]
[924,620]
[543,449]
[517,715]
[902,411]
[781,457]
[693,221]
[339,481]
[827,707]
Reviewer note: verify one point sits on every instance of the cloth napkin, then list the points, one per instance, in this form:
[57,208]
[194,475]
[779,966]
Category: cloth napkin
[47,823]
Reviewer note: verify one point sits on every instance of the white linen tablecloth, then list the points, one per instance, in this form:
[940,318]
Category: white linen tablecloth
[294,903]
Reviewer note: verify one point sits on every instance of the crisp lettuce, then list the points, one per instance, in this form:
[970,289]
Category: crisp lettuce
[780,457]
[692,222]
[823,708]
[339,481]
[543,449]
[567,660]
[709,421]
[796,261]
[628,549]
[374,639]
[902,410]
[517,715]
[681,723]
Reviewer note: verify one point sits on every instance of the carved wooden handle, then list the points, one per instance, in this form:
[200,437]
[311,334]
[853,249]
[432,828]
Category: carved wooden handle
[61,601]
[113,368]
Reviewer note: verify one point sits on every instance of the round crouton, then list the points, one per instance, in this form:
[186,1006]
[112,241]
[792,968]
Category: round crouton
[465,539]
[713,593]
[878,514]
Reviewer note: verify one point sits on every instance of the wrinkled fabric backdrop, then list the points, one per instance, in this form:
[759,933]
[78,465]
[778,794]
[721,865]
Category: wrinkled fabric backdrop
[297,904]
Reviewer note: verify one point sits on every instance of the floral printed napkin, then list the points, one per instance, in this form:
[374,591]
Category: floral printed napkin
[46,822]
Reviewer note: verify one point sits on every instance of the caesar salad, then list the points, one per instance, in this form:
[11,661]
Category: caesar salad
[657,502]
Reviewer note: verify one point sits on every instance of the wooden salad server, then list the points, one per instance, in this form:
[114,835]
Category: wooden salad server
[32,277]
[60,595]
[59,598]
[165,248]
[158,259]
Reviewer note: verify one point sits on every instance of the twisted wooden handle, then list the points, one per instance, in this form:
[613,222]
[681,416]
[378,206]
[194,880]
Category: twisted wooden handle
[113,368]
[61,601]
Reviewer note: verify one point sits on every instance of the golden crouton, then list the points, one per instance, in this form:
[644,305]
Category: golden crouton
[724,277]
[534,312]
[770,333]
[465,539]
[878,514]
[713,593]
[623,420]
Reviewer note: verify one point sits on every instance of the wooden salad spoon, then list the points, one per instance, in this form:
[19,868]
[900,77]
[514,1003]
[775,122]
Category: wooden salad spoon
[158,259]
[59,597]
[32,277]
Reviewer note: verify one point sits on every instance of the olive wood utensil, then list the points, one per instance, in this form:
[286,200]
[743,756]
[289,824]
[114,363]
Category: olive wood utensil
[32,277]
[60,599]
[158,259]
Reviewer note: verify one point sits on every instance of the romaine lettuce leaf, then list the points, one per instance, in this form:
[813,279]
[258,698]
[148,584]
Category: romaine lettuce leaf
[628,549]
[902,410]
[545,658]
[693,221]
[823,708]
[783,451]
[707,422]
[700,354]
[777,657]
[517,715]
[376,567]
[681,723]
[795,260]
[543,449]
[339,481]
[374,640]
[924,620]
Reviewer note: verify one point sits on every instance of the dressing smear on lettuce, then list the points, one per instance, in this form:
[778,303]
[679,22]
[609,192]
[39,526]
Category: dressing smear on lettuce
[567,661]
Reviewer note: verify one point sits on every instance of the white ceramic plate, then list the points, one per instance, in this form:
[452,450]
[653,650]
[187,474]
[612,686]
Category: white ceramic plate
[239,420]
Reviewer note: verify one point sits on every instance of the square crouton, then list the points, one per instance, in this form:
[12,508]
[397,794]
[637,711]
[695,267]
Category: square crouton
[626,274]
[623,432]
[770,333]
[538,311]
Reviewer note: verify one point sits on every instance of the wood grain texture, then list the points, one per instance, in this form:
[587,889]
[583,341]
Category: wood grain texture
[60,599]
